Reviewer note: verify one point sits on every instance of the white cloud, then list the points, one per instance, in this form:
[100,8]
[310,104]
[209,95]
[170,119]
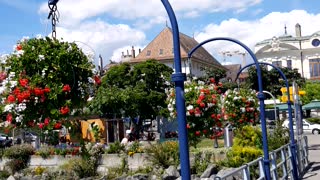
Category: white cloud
[251,32]
[73,12]
[103,38]
[116,56]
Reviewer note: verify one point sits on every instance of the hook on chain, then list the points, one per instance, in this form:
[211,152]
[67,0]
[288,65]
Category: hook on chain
[52,4]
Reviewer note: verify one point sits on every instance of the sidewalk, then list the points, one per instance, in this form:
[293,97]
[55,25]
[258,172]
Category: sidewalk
[313,172]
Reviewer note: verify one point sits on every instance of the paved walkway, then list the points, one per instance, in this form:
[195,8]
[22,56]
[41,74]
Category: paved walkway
[313,172]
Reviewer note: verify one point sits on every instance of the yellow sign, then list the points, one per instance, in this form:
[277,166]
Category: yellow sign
[284,97]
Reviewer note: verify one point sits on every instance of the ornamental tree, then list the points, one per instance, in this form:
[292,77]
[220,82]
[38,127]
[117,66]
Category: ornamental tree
[203,109]
[43,81]
[240,107]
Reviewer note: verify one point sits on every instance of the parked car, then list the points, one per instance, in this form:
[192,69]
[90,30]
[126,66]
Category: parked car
[5,140]
[307,126]
[4,136]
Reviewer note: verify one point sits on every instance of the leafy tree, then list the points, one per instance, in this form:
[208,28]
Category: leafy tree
[43,81]
[137,91]
[216,73]
[272,81]
[312,92]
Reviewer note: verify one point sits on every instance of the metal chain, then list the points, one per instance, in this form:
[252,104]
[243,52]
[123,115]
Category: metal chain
[54,15]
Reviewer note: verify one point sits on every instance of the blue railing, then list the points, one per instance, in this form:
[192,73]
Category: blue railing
[280,164]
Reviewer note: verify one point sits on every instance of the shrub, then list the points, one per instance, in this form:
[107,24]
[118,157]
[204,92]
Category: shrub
[39,170]
[19,156]
[45,152]
[164,154]
[238,156]
[4,174]
[135,147]
[115,148]
[201,162]
[248,136]
[278,137]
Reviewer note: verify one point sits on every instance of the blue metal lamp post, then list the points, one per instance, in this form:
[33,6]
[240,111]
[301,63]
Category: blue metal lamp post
[292,141]
[260,97]
[178,78]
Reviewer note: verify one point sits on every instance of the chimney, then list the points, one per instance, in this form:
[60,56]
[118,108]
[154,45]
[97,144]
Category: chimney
[133,52]
[122,54]
[298,30]
[139,50]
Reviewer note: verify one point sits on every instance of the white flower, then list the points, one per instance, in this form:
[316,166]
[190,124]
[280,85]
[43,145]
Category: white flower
[187,113]
[41,57]
[171,109]
[8,107]
[243,109]
[189,107]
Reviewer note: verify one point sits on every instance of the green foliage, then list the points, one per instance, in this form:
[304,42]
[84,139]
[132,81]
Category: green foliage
[272,81]
[4,174]
[133,91]
[201,161]
[42,68]
[84,168]
[247,147]
[314,120]
[240,155]
[312,92]
[135,147]
[164,154]
[115,148]
[248,136]
[39,170]
[278,137]
[19,156]
[44,152]
[216,73]
[115,172]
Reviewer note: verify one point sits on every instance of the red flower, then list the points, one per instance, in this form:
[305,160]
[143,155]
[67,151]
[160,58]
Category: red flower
[57,126]
[66,88]
[188,126]
[197,133]
[38,91]
[19,47]
[199,101]
[64,110]
[218,116]
[46,89]
[212,80]
[31,123]
[204,131]
[11,99]
[23,82]
[213,116]
[41,125]
[46,121]
[191,111]
[42,99]
[202,105]
[97,80]
[9,117]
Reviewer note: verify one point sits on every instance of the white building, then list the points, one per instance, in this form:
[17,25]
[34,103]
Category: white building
[298,52]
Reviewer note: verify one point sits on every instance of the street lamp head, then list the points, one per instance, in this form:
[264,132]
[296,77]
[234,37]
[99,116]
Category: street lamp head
[52,2]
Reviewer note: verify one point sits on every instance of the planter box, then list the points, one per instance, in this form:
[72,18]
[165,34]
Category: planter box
[138,160]
[54,160]
[110,160]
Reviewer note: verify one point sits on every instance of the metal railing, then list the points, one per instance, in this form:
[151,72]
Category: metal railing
[280,164]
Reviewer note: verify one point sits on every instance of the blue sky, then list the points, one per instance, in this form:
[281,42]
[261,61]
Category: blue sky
[108,27]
